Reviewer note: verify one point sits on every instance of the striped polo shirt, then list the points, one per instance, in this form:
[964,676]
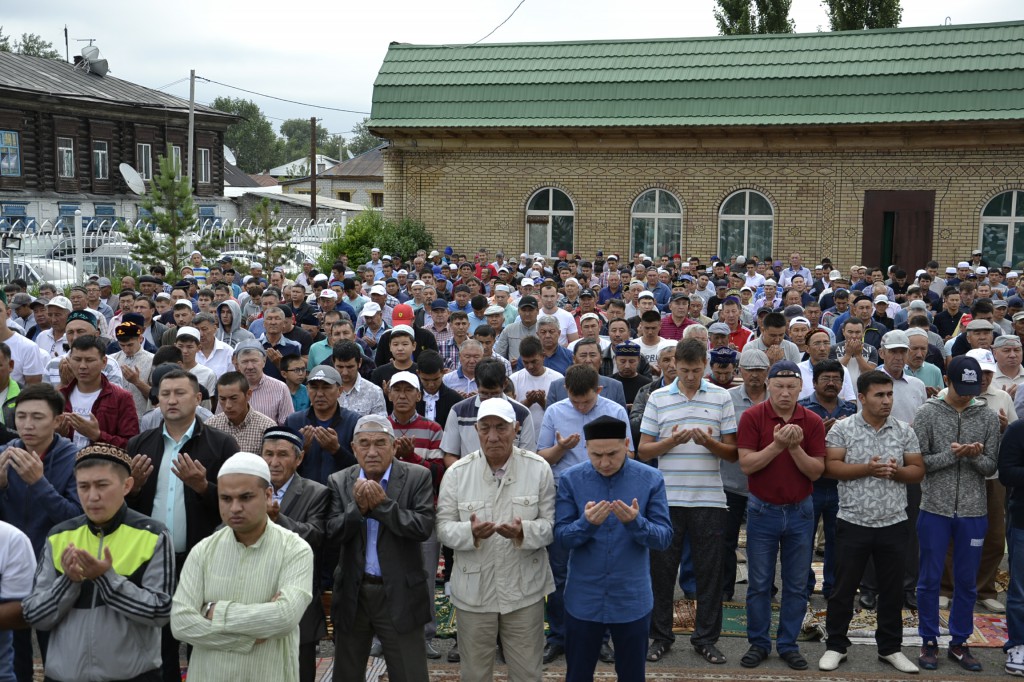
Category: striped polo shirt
[692,472]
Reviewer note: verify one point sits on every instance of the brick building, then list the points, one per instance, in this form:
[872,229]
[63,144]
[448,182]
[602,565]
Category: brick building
[864,146]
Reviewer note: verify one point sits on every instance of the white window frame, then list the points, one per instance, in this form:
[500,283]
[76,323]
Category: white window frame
[8,148]
[100,160]
[144,160]
[746,217]
[204,166]
[550,213]
[659,249]
[176,158]
[65,157]
[1017,195]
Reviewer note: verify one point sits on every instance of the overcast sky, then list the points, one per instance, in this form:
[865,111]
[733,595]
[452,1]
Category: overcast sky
[328,53]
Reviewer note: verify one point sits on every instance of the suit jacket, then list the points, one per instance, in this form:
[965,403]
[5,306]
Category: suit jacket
[406,519]
[304,512]
[447,397]
[208,445]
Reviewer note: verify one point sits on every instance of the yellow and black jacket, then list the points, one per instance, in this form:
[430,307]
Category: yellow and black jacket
[108,628]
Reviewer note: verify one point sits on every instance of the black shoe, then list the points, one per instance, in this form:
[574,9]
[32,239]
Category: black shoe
[499,655]
[432,653]
[607,654]
[910,600]
[868,601]
[453,653]
[552,651]
[690,596]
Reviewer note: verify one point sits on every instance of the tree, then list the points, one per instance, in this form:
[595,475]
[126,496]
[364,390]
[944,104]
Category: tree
[256,146]
[362,140]
[742,17]
[266,237]
[856,15]
[31,44]
[296,136]
[370,229]
[172,216]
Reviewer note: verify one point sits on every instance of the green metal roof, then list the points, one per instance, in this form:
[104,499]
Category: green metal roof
[930,74]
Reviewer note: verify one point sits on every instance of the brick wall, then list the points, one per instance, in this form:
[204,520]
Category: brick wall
[477,197]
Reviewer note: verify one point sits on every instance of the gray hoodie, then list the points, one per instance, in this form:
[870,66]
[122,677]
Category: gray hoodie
[956,485]
[236,334]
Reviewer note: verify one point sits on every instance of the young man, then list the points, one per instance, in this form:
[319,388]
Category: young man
[959,440]
[358,394]
[96,410]
[136,364]
[627,363]
[629,497]
[690,426]
[104,580]
[237,417]
[437,399]
[782,452]
[458,322]
[187,342]
[532,382]
[402,344]
[510,337]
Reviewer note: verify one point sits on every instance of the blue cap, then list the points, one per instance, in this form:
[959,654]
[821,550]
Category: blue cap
[439,304]
[964,374]
[784,369]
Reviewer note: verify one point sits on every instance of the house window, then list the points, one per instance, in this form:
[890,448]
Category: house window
[204,166]
[176,158]
[65,157]
[1002,229]
[10,154]
[344,196]
[144,160]
[550,219]
[377,199]
[745,225]
[100,161]
[657,223]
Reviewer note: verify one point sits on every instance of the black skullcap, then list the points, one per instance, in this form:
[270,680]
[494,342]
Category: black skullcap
[83,315]
[605,428]
[284,433]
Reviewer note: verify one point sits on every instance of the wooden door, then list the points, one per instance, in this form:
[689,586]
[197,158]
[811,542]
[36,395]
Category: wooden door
[898,228]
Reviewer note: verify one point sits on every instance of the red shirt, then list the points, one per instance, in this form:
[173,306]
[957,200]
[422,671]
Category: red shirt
[781,482]
[670,330]
[740,337]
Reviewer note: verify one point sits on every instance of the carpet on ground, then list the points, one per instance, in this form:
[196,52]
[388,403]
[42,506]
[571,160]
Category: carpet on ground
[657,673]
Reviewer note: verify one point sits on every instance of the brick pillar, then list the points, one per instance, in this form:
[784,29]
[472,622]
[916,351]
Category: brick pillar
[394,184]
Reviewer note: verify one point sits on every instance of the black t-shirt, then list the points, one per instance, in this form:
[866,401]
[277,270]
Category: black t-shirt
[632,385]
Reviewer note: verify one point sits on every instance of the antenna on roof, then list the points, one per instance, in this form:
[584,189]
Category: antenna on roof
[91,61]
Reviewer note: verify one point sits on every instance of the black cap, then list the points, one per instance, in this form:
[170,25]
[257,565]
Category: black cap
[528,302]
[605,428]
[586,292]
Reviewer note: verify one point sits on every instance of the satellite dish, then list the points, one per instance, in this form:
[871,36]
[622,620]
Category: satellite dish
[229,156]
[132,178]
[92,61]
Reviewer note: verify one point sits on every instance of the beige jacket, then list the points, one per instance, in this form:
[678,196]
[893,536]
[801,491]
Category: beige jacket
[497,574]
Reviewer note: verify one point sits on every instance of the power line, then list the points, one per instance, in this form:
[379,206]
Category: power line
[501,24]
[290,101]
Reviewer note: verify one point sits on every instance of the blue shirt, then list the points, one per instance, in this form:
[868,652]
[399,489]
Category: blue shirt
[661,295]
[169,501]
[475,321]
[567,420]
[559,361]
[595,590]
[373,530]
[300,399]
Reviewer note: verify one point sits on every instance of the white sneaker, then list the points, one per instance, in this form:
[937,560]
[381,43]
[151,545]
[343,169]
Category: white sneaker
[1015,661]
[831,660]
[993,605]
[900,662]
[943,602]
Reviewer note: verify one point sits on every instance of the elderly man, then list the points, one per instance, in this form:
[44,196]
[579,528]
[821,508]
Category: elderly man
[611,511]
[556,357]
[381,510]
[103,590]
[270,396]
[496,510]
[244,589]
[1007,352]
[298,505]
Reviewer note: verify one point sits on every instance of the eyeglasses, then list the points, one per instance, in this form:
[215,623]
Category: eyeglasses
[298,370]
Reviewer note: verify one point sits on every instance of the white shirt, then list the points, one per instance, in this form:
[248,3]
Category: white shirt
[525,382]
[81,403]
[566,324]
[650,353]
[29,360]
[219,360]
[847,392]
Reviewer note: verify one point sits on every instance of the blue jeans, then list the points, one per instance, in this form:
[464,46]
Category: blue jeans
[1015,593]
[772,528]
[826,508]
[934,533]
[583,639]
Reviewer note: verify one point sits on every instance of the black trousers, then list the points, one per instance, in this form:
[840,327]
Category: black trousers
[151,676]
[733,522]
[705,527]
[307,661]
[870,582]
[854,546]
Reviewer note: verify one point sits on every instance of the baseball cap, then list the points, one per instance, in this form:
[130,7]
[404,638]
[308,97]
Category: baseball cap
[61,302]
[373,423]
[754,358]
[918,305]
[895,339]
[586,293]
[325,373]
[679,296]
[437,304]
[329,293]
[402,313]
[527,302]
[834,275]
[405,378]
[190,332]
[526,282]
[719,328]
[999,303]
[403,329]
[369,309]
[434,254]
[984,358]
[964,374]
[976,252]
[982,270]
[881,298]
[379,290]
[590,316]
[496,407]
[784,369]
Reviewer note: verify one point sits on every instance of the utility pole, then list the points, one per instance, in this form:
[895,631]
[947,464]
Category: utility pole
[312,168]
[191,124]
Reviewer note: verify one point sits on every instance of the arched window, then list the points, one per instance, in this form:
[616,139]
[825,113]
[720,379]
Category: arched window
[657,223]
[550,216]
[1002,229]
[745,225]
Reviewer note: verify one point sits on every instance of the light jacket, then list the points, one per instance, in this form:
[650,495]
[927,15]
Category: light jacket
[236,334]
[497,574]
[956,485]
[107,628]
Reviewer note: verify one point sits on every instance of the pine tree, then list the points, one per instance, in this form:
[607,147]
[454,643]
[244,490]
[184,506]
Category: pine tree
[170,236]
[266,237]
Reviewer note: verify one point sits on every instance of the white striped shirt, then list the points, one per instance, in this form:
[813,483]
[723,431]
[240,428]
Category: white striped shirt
[692,473]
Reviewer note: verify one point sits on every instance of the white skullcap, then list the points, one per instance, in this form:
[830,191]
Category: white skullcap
[245,463]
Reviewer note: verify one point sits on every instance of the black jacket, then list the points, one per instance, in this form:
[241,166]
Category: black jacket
[446,400]
[208,445]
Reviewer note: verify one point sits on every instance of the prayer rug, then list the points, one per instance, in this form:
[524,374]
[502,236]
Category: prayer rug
[663,674]
[989,629]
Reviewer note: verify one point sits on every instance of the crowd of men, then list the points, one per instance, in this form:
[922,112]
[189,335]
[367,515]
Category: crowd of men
[209,460]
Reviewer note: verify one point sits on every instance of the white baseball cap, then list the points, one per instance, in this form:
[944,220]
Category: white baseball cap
[496,407]
[369,309]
